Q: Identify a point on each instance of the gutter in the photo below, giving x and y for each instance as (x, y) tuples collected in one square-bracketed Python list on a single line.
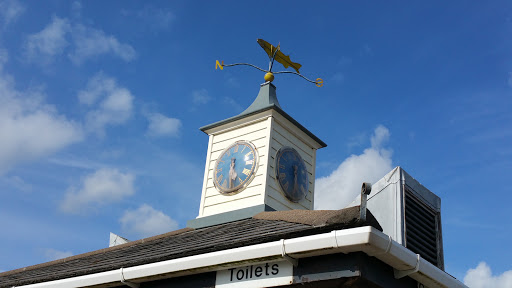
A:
[(362, 239)]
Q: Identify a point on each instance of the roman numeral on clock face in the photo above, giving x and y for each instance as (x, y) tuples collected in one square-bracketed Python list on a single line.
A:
[(246, 171)]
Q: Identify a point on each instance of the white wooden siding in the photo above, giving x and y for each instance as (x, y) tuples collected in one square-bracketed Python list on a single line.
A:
[(213, 202), (268, 131), (281, 137)]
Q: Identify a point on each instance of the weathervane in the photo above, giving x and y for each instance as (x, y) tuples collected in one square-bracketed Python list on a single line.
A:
[(274, 54)]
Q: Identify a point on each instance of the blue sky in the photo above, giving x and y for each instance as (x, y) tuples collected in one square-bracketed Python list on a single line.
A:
[(100, 105)]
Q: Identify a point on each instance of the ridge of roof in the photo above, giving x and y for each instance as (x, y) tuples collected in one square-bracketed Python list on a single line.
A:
[(319, 218)]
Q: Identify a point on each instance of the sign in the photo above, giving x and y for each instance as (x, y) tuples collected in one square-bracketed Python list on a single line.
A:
[(267, 274)]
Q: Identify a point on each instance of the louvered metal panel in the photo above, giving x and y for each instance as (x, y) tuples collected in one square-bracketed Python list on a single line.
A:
[(422, 235)]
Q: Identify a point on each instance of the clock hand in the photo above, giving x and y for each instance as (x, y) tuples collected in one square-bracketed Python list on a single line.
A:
[(295, 170), (232, 173)]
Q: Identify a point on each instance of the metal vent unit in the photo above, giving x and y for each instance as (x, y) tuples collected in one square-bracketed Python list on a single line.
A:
[(409, 213), (422, 224)]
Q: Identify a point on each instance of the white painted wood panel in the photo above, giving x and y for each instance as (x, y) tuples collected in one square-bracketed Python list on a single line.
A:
[(278, 141), (242, 130), (297, 142), (295, 131), (256, 133), (278, 195), (228, 206), (219, 198), (268, 131), (253, 137), (280, 205), (205, 178)]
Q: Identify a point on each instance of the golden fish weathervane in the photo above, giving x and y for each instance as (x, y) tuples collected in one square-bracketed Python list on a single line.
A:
[(274, 54)]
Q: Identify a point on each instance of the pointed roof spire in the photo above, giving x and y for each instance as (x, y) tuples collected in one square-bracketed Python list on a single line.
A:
[(266, 98)]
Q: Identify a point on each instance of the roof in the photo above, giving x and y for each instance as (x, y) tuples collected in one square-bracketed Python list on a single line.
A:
[(263, 227), (266, 100)]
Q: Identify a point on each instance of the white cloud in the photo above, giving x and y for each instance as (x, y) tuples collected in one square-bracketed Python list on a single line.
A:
[(379, 137), (52, 254), (481, 277), (113, 103), (99, 188), (156, 17), (160, 125), (200, 96), (4, 56), (16, 182), (10, 10), (89, 42), (86, 42), (76, 9), (43, 46), (233, 103), (146, 221), (29, 128), (233, 82), (343, 185)]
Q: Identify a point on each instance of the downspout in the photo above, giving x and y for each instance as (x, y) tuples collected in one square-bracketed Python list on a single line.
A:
[(128, 283)]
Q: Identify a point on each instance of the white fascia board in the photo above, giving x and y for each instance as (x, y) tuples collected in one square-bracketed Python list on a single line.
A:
[(213, 260), (362, 239)]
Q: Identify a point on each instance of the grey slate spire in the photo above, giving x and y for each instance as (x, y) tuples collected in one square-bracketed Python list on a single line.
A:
[(266, 98)]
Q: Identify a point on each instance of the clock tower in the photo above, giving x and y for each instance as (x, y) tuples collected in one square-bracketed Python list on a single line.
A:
[(260, 160)]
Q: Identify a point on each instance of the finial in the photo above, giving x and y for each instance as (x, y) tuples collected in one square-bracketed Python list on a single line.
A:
[(274, 54), (269, 77)]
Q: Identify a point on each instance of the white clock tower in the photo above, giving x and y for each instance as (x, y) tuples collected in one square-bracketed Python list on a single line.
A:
[(267, 128)]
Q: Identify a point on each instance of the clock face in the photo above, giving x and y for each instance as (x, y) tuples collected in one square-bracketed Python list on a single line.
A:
[(291, 174), (235, 168)]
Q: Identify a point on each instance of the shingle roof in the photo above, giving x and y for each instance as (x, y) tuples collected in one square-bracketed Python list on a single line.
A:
[(263, 227)]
